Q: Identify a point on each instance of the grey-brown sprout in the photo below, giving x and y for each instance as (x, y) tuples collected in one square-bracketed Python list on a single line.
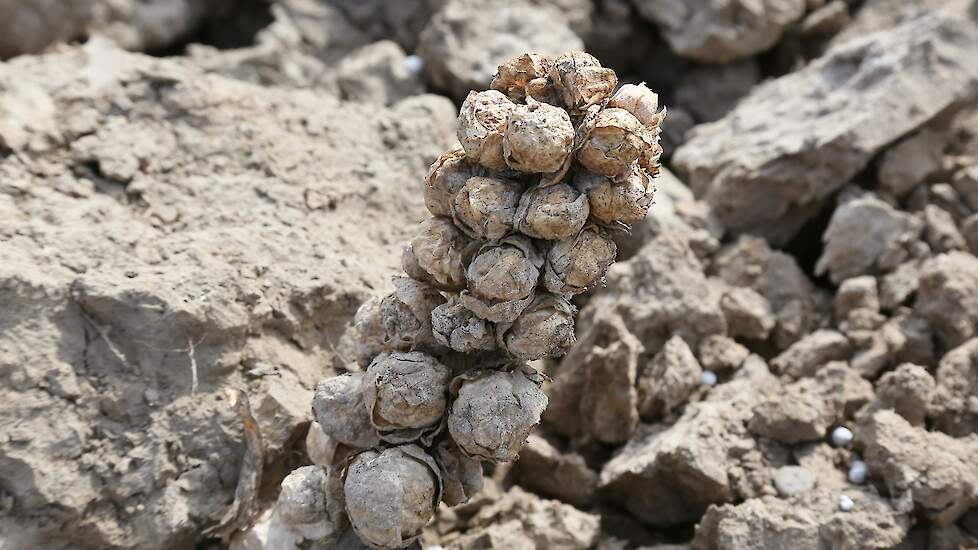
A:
[(391, 495), (458, 328), (492, 414), (514, 75), (405, 394), (640, 101), (574, 265), (302, 504), (482, 125), (405, 315), (438, 255), (484, 207), (339, 409), (461, 475), (555, 212), (501, 279), (369, 330), (625, 202), (615, 144), (581, 81), (544, 329), (539, 138), (445, 177)]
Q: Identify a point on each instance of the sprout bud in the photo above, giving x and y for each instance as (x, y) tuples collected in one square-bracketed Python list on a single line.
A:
[(579, 263), (484, 207), (493, 413), (539, 138), (458, 328), (461, 475), (338, 406), (391, 495), (513, 76), (445, 177), (481, 126), (544, 329), (641, 102), (302, 503), (615, 144), (626, 202), (553, 213), (502, 279), (405, 394), (405, 315), (581, 81), (438, 255)]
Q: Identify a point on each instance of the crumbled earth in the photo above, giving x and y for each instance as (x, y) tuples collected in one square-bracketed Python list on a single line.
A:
[(176, 229)]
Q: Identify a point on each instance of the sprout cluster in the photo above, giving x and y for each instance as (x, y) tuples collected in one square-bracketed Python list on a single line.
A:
[(551, 162)]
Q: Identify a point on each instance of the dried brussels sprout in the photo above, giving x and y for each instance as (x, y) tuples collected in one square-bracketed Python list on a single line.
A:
[(405, 315), (555, 212), (581, 81), (302, 504), (514, 75), (493, 412), (445, 177), (539, 138), (641, 102), (369, 330), (461, 475), (458, 328), (615, 144), (339, 408), (482, 125), (501, 279), (626, 202), (438, 255), (391, 495), (484, 207), (574, 265), (406, 394), (544, 329)]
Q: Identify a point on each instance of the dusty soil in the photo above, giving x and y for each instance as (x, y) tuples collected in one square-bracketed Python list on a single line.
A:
[(195, 197)]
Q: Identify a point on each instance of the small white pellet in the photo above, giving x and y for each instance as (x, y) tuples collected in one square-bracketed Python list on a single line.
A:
[(841, 436), (414, 64), (846, 503), (858, 472), (708, 378)]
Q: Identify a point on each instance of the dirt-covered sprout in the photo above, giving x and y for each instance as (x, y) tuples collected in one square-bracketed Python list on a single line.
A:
[(458, 328), (576, 264), (484, 207), (544, 329), (615, 144), (626, 202), (539, 137), (406, 394), (641, 102), (369, 330), (482, 125), (502, 279), (492, 414), (339, 409), (581, 81), (438, 254), (554, 212), (302, 504), (405, 315), (514, 75), (445, 177), (461, 474), (391, 495)]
